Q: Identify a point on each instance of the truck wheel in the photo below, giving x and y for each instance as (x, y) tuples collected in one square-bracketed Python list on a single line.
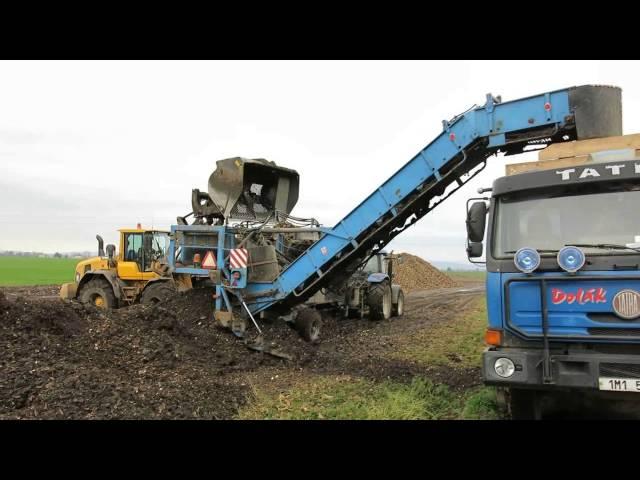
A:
[(379, 300), (398, 308), (157, 292), (524, 405), (308, 323), (99, 293)]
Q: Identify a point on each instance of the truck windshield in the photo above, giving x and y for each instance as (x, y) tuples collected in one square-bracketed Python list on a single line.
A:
[(549, 221)]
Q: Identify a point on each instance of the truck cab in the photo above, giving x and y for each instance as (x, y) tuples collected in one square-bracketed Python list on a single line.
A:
[(563, 280)]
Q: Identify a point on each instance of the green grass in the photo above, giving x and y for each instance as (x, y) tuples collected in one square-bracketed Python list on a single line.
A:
[(36, 271), (347, 398), (354, 398), (481, 404)]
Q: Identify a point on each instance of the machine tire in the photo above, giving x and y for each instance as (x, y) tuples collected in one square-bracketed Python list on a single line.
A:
[(380, 301), (308, 324), (524, 405), (157, 292), (398, 308), (99, 293)]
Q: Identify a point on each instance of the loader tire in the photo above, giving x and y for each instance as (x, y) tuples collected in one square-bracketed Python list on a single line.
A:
[(398, 308), (379, 300), (99, 293), (157, 292), (308, 324)]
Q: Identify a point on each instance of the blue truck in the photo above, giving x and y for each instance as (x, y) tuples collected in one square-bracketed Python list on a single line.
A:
[(563, 280)]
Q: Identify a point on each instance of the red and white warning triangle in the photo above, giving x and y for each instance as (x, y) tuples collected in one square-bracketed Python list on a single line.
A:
[(209, 260)]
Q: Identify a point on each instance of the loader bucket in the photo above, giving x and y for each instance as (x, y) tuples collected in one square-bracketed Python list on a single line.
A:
[(250, 189)]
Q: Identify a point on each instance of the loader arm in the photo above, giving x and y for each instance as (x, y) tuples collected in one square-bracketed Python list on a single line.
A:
[(457, 154)]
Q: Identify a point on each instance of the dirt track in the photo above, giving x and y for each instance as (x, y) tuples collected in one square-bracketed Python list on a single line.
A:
[(65, 360)]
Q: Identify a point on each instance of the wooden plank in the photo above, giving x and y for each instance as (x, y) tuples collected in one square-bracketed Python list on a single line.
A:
[(516, 168), (585, 147), (595, 157)]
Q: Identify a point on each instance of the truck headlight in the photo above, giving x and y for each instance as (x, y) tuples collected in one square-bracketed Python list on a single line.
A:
[(504, 367), (526, 259), (571, 259)]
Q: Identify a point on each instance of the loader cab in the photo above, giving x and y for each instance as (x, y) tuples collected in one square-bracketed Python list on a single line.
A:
[(139, 248)]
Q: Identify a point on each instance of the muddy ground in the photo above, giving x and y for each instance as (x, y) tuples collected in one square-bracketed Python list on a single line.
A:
[(66, 360)]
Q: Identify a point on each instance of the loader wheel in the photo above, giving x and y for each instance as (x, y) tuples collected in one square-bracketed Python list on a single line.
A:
[(398, 308), (380, 301), (157, 292), (99, 293), (308, 323)]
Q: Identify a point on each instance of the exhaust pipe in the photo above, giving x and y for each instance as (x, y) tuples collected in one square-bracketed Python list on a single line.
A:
[(100, 246)]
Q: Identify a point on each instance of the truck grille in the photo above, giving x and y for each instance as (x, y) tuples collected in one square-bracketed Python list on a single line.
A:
[(610, 318), (614, 332), (620, 370)]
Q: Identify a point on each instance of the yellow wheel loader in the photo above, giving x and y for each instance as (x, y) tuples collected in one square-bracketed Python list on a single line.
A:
[(138, 273)]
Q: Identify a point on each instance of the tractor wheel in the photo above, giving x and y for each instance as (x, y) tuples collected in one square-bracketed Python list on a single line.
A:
[(308, 323), (99, 293), (379, 299), (157, 292), (398, 308)]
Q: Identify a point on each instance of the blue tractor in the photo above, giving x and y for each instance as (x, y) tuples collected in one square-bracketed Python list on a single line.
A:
[(370, 289)]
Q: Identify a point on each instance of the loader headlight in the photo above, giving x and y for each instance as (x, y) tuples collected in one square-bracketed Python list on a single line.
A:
[(526, 260), (77, 278), (504, 367), (571, 259)]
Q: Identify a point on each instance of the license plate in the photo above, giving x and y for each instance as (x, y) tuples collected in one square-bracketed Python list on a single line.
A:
[(620, 384)]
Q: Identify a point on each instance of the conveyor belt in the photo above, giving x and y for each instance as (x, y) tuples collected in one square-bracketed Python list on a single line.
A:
[(450, 160)]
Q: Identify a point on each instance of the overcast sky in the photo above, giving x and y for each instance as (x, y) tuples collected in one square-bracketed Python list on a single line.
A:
[(90, 147)]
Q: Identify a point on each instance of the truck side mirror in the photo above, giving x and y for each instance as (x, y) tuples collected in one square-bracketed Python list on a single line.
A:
[(474, 249), (476, 222)]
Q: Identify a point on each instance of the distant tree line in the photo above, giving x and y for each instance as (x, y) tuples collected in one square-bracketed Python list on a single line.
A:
[(15, 253)]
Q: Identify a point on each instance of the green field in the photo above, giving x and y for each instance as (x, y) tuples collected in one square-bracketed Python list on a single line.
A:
[(36, 271)]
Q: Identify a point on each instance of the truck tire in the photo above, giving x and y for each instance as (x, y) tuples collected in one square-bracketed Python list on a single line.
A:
[(308, 324), (379, 300), (99, 293), (157, 292), (398, 308), (524, 405)]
